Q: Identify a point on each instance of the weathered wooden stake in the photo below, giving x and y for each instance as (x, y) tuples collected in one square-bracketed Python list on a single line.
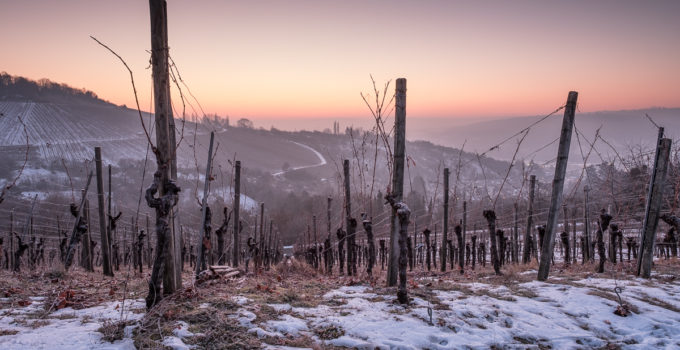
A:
[(589, 253), (397, 188), (649, 196), (654, 207), (204, 205), (237, 206), (103, 232), (526, 256), (558, 186), (165, 145), (442, 253), (515, 235)]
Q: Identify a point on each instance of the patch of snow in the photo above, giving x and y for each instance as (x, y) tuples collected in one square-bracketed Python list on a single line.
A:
[(176, 343), (182, 330), (67, 328), (562, 316), (288, 325), (244, 317), (241, 300), (261, 333)]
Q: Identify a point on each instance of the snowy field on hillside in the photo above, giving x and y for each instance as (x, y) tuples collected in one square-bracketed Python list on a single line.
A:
[(559, 314)]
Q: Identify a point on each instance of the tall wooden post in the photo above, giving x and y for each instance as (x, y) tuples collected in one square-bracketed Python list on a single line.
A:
[(589, 253), (515, 235), (165, 145), (442, 252), (558, 186), (649, 196), (528, 246), (204, 205), (103, 232), (11, 240), (397, 178), (112, 238), (653, 208), (237, 207), (573, 232), (348, 219)]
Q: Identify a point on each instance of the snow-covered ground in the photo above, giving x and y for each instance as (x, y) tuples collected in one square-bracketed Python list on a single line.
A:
[(560, 314), (31, 327), (573, 315)]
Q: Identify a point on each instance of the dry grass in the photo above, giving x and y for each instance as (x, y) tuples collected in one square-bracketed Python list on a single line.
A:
[(77, 289), (113, 330)]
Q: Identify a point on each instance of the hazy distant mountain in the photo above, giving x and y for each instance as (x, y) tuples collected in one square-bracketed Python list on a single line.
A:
[(621, 129)]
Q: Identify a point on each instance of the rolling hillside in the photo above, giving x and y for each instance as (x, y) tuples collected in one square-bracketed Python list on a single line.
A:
[(68, 124)]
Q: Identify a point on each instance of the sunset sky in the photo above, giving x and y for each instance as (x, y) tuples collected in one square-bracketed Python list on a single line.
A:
[(307, 59)]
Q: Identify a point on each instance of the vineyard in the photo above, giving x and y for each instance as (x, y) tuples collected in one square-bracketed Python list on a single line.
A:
[(121, 229)]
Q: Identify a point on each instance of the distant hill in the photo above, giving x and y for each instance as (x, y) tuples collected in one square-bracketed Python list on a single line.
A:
[(63, 122), (20, 89), (621, 129), (66, 123)]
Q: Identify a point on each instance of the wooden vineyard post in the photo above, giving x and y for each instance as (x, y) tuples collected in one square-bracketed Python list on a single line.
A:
[(589, 253), (573, 239), (329, 253), (558, 186), (397, 187), (648, 201), (11, 240), (103, 232), (351, 228), (442, 252), (515, 234), (237, 206), (528, 246), (204, 207), (654, 207), (164, 151), (463, 233)]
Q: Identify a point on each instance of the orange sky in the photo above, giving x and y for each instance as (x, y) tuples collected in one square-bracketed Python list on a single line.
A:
[(287, 59)]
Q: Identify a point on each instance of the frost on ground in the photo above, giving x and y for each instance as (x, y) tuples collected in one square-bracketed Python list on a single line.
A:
[(31, 327)]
